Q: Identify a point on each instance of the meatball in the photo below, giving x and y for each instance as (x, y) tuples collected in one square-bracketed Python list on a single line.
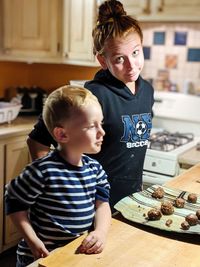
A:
[(192, 198), (168, 222), (167, 208), (179, 202), (185, 225), (154, 214), (192, 219), (158, 193), (198, 214)]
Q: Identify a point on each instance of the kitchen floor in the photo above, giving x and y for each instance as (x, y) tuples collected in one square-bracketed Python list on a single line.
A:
[(8, 258)]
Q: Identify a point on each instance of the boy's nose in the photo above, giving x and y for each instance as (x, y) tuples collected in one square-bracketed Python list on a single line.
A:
[(101, 130)]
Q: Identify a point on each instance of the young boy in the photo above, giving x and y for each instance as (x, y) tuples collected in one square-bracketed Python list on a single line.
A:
[(64, 194)]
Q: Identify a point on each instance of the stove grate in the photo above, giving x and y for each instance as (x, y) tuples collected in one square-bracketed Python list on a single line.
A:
[(167, 141)]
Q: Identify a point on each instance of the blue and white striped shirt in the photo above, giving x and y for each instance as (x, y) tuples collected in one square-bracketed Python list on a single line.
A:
[(60, 198)]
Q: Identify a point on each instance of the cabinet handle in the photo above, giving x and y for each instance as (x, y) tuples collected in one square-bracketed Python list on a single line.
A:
[(58, 47), (147, 8), (161, 6), (7, 50)]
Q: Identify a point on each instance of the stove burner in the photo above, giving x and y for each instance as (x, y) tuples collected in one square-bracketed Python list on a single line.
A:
[(166, 141)]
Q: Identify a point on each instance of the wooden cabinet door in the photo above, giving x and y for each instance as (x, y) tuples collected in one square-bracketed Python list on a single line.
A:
[(167, 10), (17, 157), (136, 7), (181, 7), (79, 19), (30, 27)]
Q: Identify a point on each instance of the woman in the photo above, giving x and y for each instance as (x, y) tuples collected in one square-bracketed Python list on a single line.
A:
[(126, 99)]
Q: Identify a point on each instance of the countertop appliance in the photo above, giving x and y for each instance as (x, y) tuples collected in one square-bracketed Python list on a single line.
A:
[(176, 128), (32, 100)]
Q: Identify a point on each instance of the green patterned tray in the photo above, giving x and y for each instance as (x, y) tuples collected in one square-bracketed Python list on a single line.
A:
[(136, 206)]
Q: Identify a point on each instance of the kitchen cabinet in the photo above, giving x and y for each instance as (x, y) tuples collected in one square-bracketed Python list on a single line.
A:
[(30, 28), (79, 18), (51, 31), (14, 155), (136, 8), (168, 10), (182, 9), (16, 158)]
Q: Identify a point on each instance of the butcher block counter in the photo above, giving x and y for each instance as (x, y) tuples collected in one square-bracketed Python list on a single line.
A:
[(133, 245), (191, 157)]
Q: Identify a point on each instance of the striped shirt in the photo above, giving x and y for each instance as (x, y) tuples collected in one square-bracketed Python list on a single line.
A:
[(60, 198)]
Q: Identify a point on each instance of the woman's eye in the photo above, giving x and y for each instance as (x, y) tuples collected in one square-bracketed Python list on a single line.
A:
[(120, 60), (135, 53)]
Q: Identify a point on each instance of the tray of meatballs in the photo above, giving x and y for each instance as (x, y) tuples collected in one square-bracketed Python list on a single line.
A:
[(163, 208)]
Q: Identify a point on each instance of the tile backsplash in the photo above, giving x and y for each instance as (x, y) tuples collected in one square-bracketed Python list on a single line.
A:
[(174, 48)]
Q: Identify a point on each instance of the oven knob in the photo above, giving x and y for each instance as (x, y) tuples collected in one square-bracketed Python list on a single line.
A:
[(154, 164)]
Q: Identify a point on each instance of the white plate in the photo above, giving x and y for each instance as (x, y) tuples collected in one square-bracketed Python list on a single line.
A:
[(136, 207)]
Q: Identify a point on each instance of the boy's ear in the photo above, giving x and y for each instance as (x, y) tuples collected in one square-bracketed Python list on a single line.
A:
[(60, 134), (102, 61)]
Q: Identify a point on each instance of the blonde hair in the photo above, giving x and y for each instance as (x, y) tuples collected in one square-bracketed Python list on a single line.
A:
[(112, 22), (61, 103)]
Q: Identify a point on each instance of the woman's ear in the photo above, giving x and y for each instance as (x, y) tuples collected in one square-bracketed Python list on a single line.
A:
[(60, 135), (102, 61)]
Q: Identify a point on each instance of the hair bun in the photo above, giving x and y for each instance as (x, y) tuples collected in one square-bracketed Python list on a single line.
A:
[(110, 10)]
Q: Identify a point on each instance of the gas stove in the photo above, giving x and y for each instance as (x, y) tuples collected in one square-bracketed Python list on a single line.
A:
[(166, 143)]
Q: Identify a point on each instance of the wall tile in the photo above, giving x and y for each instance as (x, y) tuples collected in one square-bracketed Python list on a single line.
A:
[(147, 52), (193, 55), (175, 47), (180, 38), (171, 61), (159, 38)]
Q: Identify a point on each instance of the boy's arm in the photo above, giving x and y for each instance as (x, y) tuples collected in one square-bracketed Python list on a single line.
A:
[(21, 221), (102, 217), (95, 241)]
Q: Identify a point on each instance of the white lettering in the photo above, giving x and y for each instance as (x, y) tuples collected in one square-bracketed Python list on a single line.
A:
[(137, 144)]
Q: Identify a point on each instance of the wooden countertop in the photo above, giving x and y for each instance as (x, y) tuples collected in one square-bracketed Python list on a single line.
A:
[(133, 245), (21, 125), (190, 157)]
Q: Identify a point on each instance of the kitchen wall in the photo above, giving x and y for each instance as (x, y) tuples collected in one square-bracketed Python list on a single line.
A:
[(47, 76), (172, 61), (172, 55)]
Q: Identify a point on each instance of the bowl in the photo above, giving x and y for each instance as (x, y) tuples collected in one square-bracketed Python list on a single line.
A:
[(8, 111)]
